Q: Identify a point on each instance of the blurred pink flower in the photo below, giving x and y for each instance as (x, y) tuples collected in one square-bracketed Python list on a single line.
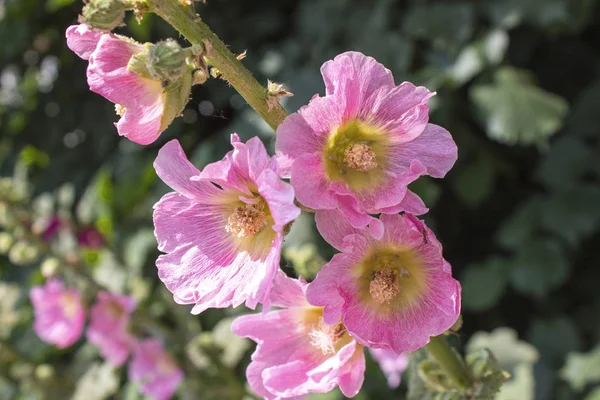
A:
[(145, 107), (154, 370), (392, 365), (59, 316), (393, 293), (357, 148), (90, 237), (222, 228), (297, 352), (108, 326)]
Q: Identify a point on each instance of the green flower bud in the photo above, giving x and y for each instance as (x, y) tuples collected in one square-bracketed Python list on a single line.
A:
[(104, 15), (166, 61)]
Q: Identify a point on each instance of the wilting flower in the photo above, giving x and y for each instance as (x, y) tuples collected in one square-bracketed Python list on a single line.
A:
[(297, 352), (117, 70), (108, 326), (223, 227), (392, 365), (357, 148), (59, 316), (154, 370), (393, 293)]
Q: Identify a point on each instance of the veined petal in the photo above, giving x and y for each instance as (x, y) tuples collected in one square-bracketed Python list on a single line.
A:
[(82, 40)]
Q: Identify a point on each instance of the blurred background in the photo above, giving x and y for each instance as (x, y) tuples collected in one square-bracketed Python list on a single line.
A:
[(518, 86)]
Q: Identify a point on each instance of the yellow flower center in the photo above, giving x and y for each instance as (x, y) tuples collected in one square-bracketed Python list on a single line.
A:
[(247, 220), (356, 154), (326, 339), (69, 304), (391, 279)]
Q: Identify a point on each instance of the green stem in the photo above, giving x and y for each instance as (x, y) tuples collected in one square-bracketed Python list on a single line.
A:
[(450, 361), (190, 25)]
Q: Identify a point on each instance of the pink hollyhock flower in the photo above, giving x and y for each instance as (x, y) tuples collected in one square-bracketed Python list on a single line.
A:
[(223, 227), (154, 370), (297, 352), (145, 106), (392, 365), (59, 315), (392, 293), (357, 148), (108, 326)]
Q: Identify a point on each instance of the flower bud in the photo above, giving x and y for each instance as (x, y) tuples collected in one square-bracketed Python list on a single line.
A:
[(104, 15), (166, 61)]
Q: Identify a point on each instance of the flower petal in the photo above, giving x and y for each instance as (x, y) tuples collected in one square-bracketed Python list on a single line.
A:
[(82, 40)]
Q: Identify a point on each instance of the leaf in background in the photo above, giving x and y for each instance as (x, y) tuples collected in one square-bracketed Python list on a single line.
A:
[(475, 182), (553, 15), (582, 369), (515, 356), (585, 112), (594, 395), (566, 162), (515, 111), (573, 214), (446, 25), (55, 5), (472, 59), (519, 227), (539, 267), (554, 338), (484, 284), (233, 345)]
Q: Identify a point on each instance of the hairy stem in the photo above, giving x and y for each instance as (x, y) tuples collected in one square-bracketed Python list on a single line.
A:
[(450, 361), (190, 25)]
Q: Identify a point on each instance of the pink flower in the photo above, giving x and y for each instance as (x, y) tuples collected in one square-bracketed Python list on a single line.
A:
[(393, 293), (392, 365), (223, 227), (357, 148), (90, 237), (297, 352), (59, 316), (145, 107), (154, 370), (108, 326)]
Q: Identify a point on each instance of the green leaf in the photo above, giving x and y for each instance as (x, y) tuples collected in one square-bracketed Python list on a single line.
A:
[(554, 338), (55, 5), (513, 355), (539, 267), (573, 214), (445, 25), (484, 284), (520, 226), (566, 162), (515, 111), (475, 183), (582, 369)]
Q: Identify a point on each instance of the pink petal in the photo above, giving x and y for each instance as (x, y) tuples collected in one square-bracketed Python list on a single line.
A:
[(311, 184), (369, 74), (334, 227), (82, 40), (434, 149), (411, 203), (280, 197), (173, 167), (352, 381), (295, 137)]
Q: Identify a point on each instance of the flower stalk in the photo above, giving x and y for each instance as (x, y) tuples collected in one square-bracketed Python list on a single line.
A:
[(190, 25), (449, 360)]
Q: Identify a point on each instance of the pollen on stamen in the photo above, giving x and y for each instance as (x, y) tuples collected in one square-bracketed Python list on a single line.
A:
[(384, 286), (247, 220), (360, 157), (120, 110), (324, 337)]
